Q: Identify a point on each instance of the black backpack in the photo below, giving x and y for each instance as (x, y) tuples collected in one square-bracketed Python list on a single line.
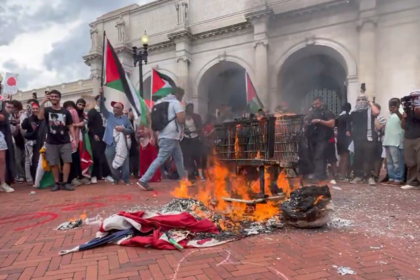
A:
[(160, 117)]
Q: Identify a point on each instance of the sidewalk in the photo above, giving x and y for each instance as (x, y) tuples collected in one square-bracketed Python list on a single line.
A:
[(382, 241)]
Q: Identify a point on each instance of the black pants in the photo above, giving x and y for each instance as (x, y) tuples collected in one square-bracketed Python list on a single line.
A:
[(365, 155), (75, 171), (318, 153), (191, 149), (134, 157), (100, 166)]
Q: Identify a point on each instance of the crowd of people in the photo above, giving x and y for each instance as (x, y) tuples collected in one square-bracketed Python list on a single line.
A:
[(80, 146), (50, 135), (364, 140)]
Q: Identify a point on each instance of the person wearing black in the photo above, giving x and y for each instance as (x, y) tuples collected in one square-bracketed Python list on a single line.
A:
[(343, 124), (365, 138), (96, 130), (411, 142), (134, 149), (30, 126), (320, 129), (7, 156), (19, 142), (60, 138)]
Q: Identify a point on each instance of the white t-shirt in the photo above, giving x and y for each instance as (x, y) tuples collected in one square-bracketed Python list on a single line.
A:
[(173, 130), (191, 127)]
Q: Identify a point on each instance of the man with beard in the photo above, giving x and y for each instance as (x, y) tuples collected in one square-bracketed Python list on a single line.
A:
[(30, 126), (59, 144), (321, 123), (365, 139), (96, 127)]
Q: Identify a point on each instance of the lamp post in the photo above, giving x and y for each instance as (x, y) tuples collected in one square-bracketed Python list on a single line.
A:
[(140, 55), (1, 81)]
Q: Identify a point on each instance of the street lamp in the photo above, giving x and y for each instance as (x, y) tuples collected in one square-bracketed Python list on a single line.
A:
[(140, 55), (1, 81)]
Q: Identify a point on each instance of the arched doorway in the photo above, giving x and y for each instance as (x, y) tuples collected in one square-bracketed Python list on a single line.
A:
[(313, 71), (224, 84)]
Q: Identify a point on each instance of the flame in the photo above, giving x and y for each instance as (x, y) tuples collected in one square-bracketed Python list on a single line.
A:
[(222, 183), (82, 217), (318, 199)]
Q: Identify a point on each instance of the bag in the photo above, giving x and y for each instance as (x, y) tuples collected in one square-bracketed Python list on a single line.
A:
[(159, 116)]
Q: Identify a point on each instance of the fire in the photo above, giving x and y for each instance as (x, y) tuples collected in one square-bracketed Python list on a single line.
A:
[(318, 199), (81, 217), (222, 183)]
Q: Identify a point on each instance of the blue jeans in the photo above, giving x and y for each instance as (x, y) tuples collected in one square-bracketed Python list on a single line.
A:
[(121, 173), (167, 148), (395, 164)]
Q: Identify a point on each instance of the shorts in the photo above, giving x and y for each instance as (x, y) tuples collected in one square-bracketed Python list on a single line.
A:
[(53, 154), (330, 153), (3, 143)]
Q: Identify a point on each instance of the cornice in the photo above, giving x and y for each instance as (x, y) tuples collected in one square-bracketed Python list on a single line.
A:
[(182, 35), (315, 9), (259, 14), (161, 47), (92, 57), (372, 20), (224, 31)]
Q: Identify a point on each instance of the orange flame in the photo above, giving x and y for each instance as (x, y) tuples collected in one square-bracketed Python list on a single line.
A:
[(224, 184)]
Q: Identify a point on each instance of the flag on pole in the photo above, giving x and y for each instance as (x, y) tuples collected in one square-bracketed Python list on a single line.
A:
[(10, 85), (116, 78), (254, 103), (161, 84)]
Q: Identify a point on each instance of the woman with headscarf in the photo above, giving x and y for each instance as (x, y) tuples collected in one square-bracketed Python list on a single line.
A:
[(365, 138), (343, 124)]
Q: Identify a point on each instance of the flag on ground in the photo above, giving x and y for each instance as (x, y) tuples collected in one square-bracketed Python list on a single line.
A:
[(116, 78), (161, 85), (254, 103)]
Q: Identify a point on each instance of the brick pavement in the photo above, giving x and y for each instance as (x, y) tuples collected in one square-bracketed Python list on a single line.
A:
[(382, 242)]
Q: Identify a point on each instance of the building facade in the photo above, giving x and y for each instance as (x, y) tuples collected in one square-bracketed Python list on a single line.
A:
[(292, 50)]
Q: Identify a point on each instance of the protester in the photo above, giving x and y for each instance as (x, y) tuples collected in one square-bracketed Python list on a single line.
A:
[(343, 124), (30, 127), (380, 154), (75, 171), (14, 109), (29, 144), (208, 137), (147, 152), (134, 150), (60, 138), (116, 123), (365, 139), (411, 142), (96, 130), (6, 149), (191, 145), (321, 122), (170, 134)]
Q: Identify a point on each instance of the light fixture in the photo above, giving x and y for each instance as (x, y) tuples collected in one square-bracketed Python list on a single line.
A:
[(144, 39)]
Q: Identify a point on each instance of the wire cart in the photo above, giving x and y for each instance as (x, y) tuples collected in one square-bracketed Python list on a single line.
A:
[(271, 143)]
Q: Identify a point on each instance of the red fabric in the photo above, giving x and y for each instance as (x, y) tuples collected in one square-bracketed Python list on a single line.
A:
[(146, 156), (158, 225), (331, 140)]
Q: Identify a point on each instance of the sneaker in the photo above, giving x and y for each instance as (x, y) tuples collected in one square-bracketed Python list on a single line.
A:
[(19, 180), (356, 180), (144, 186), (371, 182), (109, 179), (94, 180), (408, 187), (6, 188), (333, 182), (85, 181), (76, 182), (67, 187), (128, 183), (55, 188)]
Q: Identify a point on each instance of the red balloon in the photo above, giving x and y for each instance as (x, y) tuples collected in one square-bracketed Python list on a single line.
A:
[(11, 82)]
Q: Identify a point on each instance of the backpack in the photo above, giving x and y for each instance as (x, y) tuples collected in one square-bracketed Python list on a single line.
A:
[(159, 116)]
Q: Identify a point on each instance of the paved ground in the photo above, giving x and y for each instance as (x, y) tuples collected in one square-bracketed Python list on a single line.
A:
[(378, 239)]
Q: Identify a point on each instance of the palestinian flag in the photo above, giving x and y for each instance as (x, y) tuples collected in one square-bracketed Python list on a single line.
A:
[(44, 178), (85, 152), (161, 85), (117, 82), (254, 103)]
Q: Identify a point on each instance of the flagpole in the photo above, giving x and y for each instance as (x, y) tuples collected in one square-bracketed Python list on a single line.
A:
[(103, 65)]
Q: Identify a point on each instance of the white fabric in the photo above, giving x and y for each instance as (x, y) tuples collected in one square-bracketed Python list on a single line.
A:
[(117, 222), (351, 147), (190, 125), (39, 173), (173, 130), (122, 148)]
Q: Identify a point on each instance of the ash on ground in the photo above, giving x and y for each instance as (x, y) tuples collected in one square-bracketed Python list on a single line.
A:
[(228, 228)]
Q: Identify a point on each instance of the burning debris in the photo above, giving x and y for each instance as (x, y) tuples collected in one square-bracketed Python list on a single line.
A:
[(70, 225), (308, 207)]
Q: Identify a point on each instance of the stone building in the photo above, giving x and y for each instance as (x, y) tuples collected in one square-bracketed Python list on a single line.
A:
[(291, 49)]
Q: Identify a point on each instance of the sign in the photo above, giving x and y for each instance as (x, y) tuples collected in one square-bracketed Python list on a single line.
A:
[(10, 84)]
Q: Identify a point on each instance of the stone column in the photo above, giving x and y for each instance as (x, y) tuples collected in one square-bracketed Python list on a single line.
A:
[(182, 39), (260, 20), (353, 90), (94, 60), (367, 45)]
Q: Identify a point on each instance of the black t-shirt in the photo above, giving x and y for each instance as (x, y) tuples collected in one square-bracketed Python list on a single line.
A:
[(317, 132), (359, 126), (31, 125), (58, 122), (411, 126)]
